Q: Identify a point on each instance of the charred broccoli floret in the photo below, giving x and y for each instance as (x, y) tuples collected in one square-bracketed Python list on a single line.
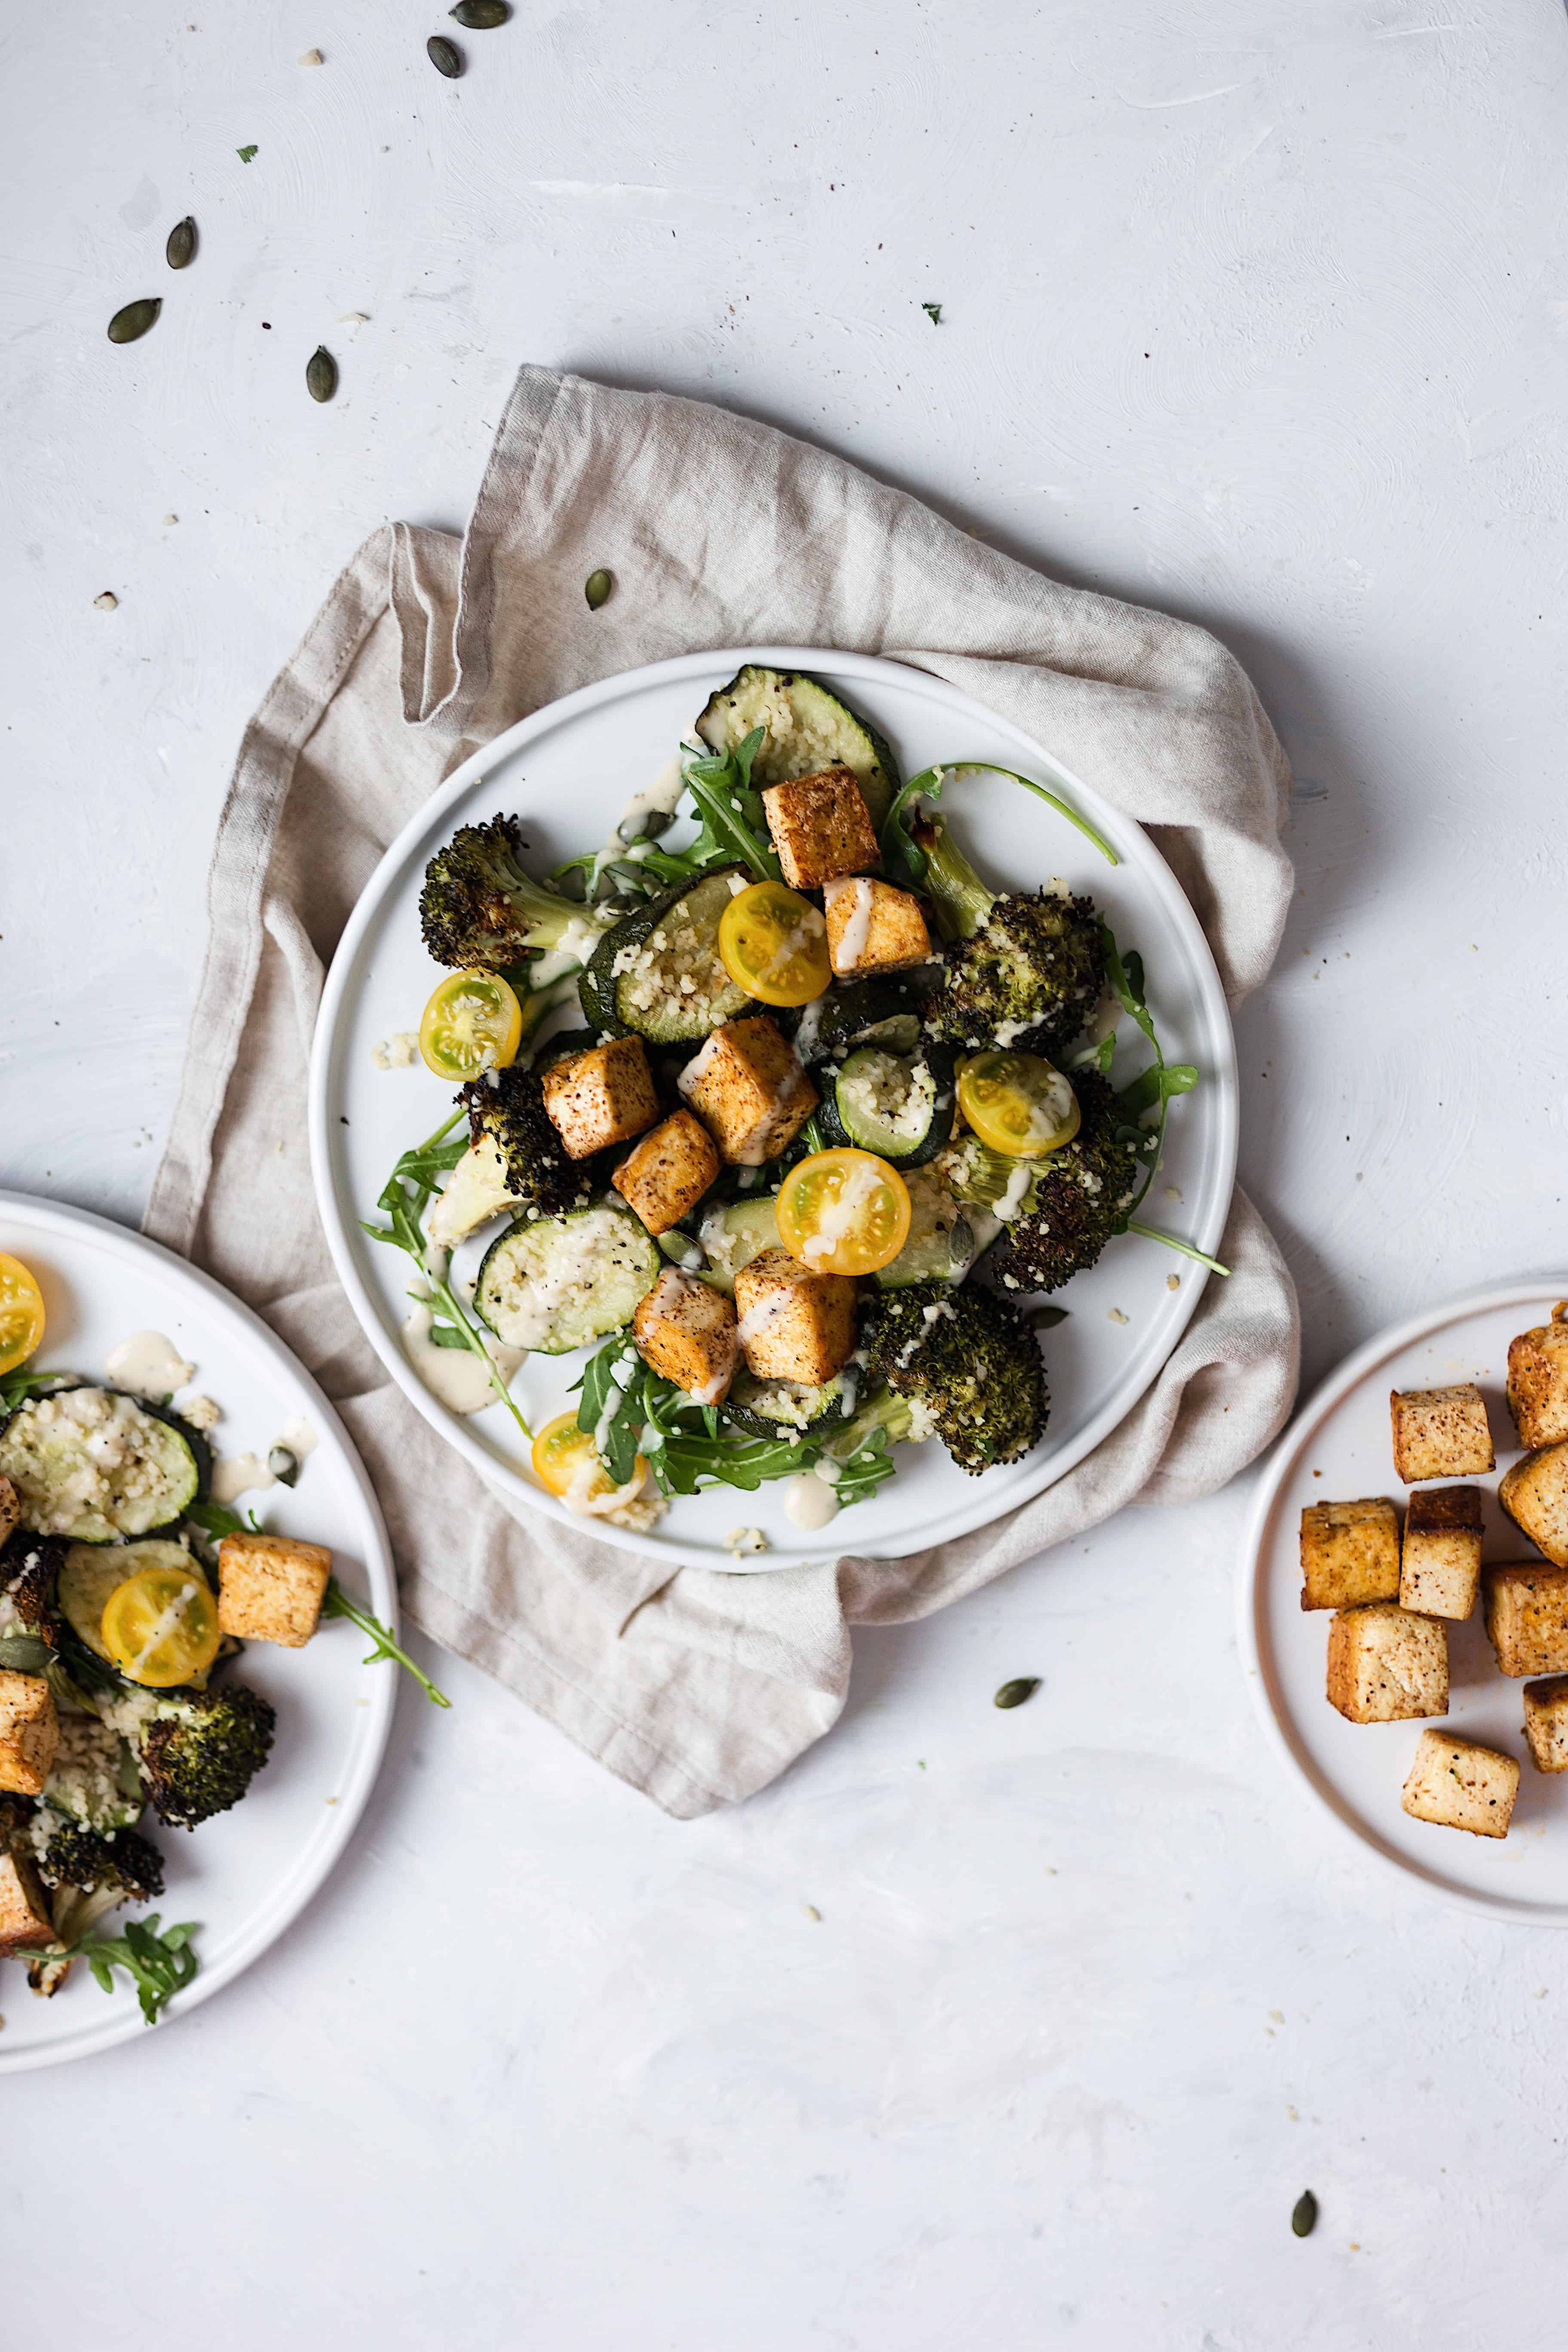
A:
[(87, 1873), (1074, 1200), (198, 1751), (1018, 971), (479, 906), (971, 1361), (28, 1567), (516, 1160)]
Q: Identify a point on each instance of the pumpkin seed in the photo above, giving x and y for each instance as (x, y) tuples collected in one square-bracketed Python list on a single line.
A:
[(1046, 1319), (181, 249), (445, 56), (1015, 1693), (598, 588), (107, 603), (129, 325), (284, 1464), (1304, 2214), (320, 373), (479, 15)]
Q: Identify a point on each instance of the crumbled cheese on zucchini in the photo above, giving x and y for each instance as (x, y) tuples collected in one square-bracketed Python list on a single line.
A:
[(81, 1452)]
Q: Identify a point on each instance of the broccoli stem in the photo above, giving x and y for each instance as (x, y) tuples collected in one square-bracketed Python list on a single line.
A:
[(890, 1415), (963, 902)]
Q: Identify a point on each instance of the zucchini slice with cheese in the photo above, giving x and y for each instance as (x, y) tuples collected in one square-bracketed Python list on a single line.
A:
[(562, 1281), (657, 973), (898, 1106), (96, 1465), (945, 1237), (787, 1409), (805, 729)]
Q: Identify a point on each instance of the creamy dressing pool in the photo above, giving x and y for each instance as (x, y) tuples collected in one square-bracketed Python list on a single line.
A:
[(149, 1365)]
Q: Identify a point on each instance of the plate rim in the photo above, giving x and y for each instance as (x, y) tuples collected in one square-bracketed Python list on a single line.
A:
[(300, 1886), (1292, 1444), (508, 1483)]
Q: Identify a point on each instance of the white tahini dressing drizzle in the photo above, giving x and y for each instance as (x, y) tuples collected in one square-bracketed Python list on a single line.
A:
[(298, 1437), (148, 1365), (238, 1474), (850, 946), (455, 1375), (836, 1219), (809, 1501)]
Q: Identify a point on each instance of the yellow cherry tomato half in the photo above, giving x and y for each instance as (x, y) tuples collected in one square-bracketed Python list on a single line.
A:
[(566, 1460), (472, 1024), (21, 1313), (160, 1627), (774, 944), (1017, 1104), (843, 1213)]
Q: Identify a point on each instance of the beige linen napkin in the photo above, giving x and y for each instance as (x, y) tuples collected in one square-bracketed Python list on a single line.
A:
[(695, 1686)]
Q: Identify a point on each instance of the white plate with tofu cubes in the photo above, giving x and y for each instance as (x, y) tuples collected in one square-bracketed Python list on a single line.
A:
[(245, 1874), (568, 773), (1340, 1449)]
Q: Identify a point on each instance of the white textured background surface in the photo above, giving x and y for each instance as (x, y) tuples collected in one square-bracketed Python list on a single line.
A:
[(1258, 312)]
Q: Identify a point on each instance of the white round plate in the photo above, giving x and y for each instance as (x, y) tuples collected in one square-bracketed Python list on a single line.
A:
[(245, 1874), (1340, 1448), (567, 772)]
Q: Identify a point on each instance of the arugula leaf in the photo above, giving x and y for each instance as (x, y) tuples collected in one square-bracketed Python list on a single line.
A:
[(16, 1387), (159, 1965), (903, 859), (734, 825), (611, 1407), (336, 1603), (218, 1520), (1155, 1086), (867, 1469)]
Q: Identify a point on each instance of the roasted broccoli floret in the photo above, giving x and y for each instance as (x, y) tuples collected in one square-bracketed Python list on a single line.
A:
[(1018, 971), (88, 1873), (479, 906), (1074, 1200), (198, 1751), (970, 1359), (28, 1567), (516, 1160)]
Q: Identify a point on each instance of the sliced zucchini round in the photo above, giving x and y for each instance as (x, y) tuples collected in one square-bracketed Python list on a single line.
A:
[(732, 1235), (789, 1409), (91, 1572), (806, 728), (658, 973), (898, 1106), (560, 1281), (884, 1011), (96, 1465), (943, 1240)]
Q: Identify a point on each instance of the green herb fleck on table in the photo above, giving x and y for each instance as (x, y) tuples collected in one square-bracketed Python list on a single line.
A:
[(247, 155), (933, 312)]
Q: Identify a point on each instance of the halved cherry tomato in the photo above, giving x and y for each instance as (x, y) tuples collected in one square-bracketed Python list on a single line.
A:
[(472, 1024), (843, 1213), (1017, 1104), (562, 1457), (774, 944), (160, 1627), (21, 1313)]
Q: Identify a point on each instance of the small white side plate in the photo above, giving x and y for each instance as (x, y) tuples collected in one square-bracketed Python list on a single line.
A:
[(1341, 1448), (245, 1874)]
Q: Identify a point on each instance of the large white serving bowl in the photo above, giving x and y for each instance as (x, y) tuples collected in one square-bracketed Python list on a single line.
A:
[(567, 773)]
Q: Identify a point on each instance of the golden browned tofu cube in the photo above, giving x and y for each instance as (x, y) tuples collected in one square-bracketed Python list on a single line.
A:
[(1461, 1786), (1525, 1608), (1546, 1723), (270, 1588), (686, 1330), (10, 1510), (30, 1733), (24, 1922), (668, 1171), (1440, 1432), (1534, 1494), (1538, 1381), (1385, 1666), (821, 827), (1440, 1566), (603, 1096), (747, 1086), (1350, 1553), (871, 926), (795, 1325)]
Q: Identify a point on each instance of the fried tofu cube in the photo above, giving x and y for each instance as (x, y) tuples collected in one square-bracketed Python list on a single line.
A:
[(1440, 1432), (748, 1087), (1546, 1723), (1524, 1605), (1538, 1381), (10, 1510), (1461, 1786), (1350, 1553), (1534, 1494), (795, 1325), (872, 927), (1385, 1666), (686, 1330), (24, 1922), (820, 826), (603, 1096), (668, 1171), (270, 1588), (1440, 1565), (30, 1733)]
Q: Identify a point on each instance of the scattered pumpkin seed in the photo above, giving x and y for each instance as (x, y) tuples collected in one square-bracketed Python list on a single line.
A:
[(1304, 2214), (284, 1464), (181, 249), (247, 155), (598, 588), (1016, 1692), (1046, 1319), (320, 373), (479, 15), (445, 56), (108, 602), (129, 325), (313, 57)]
